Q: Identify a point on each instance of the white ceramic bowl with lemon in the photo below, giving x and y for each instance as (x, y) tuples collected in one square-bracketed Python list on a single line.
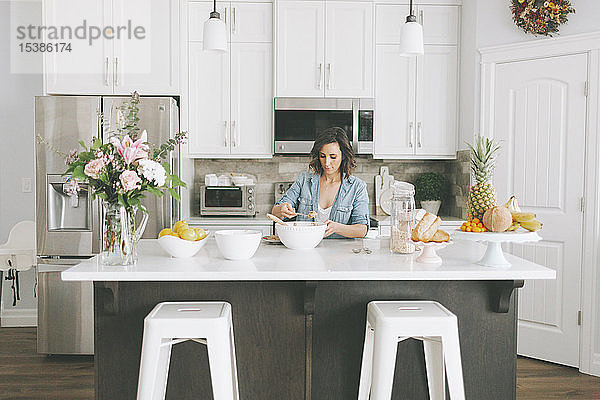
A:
[(182, 241)]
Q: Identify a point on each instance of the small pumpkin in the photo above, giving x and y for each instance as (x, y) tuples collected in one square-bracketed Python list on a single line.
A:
[(497, 219)]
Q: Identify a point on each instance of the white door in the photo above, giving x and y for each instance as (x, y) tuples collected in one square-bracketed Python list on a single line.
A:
[(348, 49), (437, 82), (251, 99), (539, 114), (251, 22), (208, 107), (300, 52), (147, 61), (394, 103), (87, 68)]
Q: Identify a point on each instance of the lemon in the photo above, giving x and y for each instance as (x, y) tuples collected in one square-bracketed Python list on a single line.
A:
[(187, 234), (200, 233), (179, 226), (167, 231)]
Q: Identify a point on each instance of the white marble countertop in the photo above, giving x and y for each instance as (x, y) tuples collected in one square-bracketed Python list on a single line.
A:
[(333, 259)]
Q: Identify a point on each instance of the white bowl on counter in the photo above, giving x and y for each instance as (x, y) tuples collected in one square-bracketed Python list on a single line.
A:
[(300, 235), (179, 248), (238, 244)]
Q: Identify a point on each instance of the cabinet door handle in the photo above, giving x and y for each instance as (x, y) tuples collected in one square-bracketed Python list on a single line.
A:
[(106, 67), (225, 16), (225, 132), (329, 72), (420, 132), (234, 21), (234, 135), (116, 71), (422, 16), (410, 134), (319, 75)]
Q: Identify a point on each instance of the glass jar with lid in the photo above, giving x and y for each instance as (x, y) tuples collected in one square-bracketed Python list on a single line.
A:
[(402, 219)]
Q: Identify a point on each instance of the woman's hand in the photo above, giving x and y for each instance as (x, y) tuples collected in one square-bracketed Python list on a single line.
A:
[(332, 227), (287, 210)]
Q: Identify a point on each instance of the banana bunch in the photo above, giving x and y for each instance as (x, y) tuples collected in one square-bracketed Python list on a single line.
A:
[(524, 219)]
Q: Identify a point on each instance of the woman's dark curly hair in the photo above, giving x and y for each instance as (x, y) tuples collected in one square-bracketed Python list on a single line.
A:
[(339, 136)]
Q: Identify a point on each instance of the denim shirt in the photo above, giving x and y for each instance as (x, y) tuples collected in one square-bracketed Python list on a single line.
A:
[(351, 205)]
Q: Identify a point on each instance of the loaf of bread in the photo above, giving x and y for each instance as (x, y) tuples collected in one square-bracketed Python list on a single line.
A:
[(440, 236), (424, 224), (427, 230)]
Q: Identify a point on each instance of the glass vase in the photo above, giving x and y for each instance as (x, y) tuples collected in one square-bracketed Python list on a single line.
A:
[(120, 235)]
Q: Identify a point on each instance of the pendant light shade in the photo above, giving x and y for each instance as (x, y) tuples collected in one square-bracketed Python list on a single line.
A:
[(215, 32), (411, 36)]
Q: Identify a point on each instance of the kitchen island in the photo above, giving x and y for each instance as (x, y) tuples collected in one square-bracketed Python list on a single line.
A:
[(299, 317)]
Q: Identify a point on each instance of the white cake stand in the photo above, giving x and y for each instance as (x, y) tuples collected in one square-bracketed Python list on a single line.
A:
[(428, 254), (494, 256)]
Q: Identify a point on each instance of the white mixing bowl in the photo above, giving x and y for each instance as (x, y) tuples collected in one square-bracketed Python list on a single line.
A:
[(300, 235), (179, 248), (238, 244)]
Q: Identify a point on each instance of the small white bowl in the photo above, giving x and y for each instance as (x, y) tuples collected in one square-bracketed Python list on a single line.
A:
[(238, 244), (300, 235), (179, 248)]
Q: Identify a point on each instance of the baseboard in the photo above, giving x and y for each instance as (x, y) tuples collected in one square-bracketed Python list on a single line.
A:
[(19, 318)]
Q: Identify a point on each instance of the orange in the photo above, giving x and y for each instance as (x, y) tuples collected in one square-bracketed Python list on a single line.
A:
[(476, 220), (463, 228), (468, 229)]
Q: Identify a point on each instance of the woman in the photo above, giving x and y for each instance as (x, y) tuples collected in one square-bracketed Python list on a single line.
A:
[(337, 198)]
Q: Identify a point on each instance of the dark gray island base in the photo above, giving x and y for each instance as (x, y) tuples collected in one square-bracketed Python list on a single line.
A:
[(301, 340)]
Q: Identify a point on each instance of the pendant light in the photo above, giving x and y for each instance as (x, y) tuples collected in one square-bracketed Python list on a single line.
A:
[(215, 32), (411, 35)]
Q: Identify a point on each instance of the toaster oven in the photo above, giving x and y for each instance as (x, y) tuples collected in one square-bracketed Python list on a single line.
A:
[(227, 201)]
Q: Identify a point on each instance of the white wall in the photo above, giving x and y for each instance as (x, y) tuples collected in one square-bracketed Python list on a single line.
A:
[(488, 23), (16, 155)]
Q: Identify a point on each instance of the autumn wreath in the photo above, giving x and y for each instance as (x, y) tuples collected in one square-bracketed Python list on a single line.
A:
[(540, 17)]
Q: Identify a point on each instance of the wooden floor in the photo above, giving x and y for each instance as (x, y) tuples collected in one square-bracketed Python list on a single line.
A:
[(24, 374)]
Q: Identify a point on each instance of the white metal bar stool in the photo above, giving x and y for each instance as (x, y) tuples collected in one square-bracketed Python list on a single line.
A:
[(390, 322), (209, 323)]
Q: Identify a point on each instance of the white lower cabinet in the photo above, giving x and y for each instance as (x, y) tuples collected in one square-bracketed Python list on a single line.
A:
[(230, 101), (415, 106)]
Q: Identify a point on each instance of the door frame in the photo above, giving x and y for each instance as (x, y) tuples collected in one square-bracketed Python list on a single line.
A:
[(589, 357)]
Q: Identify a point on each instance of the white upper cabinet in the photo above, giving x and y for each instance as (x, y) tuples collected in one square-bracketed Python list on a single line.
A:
[(251, 98), (251, 22), (230, 95), (86, 69), (209, 126), (150, 66), (436, 118), (300, 53), (440, 23), (394, 102), (348, 49), (324, 49), (416, 97), (137, 50)]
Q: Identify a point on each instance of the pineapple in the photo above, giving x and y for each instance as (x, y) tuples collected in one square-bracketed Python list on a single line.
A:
[(482, 195)]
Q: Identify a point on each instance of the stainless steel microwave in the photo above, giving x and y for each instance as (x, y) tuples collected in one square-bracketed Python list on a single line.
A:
[(227, 200), (298, 120)]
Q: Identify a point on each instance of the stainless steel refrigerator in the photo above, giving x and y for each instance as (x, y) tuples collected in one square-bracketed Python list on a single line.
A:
[(69, 229)]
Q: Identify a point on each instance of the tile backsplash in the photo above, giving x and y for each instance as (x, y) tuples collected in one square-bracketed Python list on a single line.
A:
[(287, 168)]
